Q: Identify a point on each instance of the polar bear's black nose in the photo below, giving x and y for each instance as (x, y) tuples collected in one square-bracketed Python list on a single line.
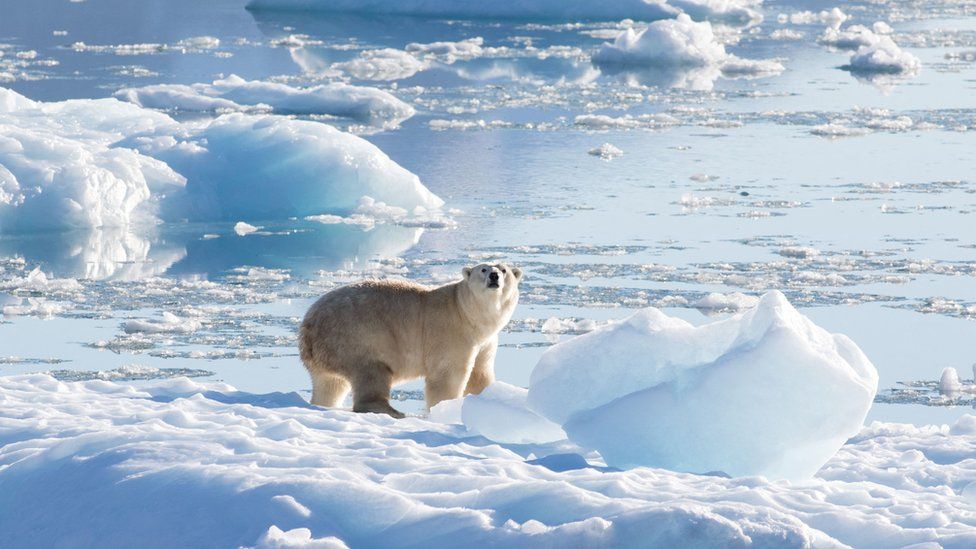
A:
[(493, 276)]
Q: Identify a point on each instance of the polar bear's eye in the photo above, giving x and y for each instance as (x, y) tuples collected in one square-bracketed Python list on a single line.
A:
[(504, 271), (483, 270)]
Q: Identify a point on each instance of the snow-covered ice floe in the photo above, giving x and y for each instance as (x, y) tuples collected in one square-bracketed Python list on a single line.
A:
[(679, 43), (105, 163), (178, 463), (364, 104), (765, 392), (875, 51), (883, 56)]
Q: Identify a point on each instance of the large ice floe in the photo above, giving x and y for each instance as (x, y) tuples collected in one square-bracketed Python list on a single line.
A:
[(679, 44), (765, 392), (178, 463), (364, 104), (106, 163)]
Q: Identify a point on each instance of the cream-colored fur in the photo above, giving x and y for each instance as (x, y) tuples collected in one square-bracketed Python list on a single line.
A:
[(370, 335)]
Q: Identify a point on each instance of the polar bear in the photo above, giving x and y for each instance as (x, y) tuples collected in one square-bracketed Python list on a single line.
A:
[(372, 334)]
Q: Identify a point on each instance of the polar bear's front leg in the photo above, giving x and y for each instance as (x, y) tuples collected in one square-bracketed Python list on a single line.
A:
[(483, 373), (447, 377)]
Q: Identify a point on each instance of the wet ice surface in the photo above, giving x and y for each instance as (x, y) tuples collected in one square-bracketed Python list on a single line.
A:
[(851, 193)]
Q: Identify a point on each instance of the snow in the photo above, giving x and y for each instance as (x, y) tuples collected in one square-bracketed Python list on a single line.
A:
[(367, 105), (106, 163), (499, 413), (179, 463), (677, 43), (765, 392)]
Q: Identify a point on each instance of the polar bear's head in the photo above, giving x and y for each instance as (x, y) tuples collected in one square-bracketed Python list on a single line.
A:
[(486, 278), (489, 295)]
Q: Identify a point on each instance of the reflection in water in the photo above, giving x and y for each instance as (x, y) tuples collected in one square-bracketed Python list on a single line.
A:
[(304, 250), (98, 254), (120, 254)]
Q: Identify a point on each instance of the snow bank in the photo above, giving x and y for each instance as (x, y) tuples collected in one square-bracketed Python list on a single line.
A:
[(765, 392), (368, 105), (677, 43), (105, 163), (183, 464)]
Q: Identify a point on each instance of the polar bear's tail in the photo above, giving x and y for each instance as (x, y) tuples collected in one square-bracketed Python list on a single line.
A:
[(305, 346)]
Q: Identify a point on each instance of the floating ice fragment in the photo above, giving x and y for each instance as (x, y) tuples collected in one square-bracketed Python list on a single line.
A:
[(949, 381), (170, 323), (606, 151), (716, 302), (883, 56), (244, 229), (368, 105), (677, 43)]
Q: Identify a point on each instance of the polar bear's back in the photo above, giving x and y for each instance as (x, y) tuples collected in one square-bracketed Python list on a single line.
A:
[(378, 320)]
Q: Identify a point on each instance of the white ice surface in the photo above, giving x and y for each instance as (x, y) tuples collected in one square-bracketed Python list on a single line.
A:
[(677, 43), (106, 163), (765, 392), (184, 464), (364, 104), (500, 414)]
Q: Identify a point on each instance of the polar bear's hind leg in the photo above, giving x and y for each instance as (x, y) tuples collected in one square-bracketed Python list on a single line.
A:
[(371, 390), (328, 389)]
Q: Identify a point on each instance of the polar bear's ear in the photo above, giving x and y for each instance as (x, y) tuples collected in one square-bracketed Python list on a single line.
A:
[(517, 272), (466, 272)]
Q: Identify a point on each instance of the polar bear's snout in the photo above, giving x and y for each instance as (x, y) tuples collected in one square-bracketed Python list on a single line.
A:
[(493, 278)]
